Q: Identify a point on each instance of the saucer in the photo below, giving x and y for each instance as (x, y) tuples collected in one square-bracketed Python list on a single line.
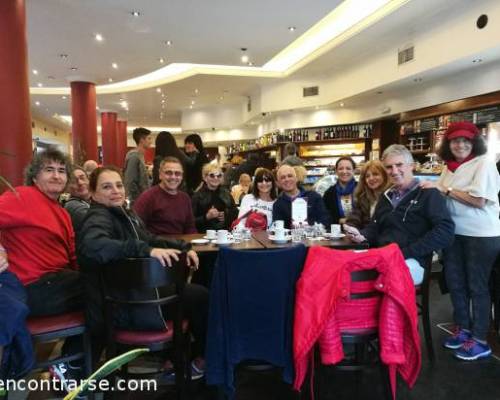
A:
[(334, 236), (228, 243), (209, 238), (286, 239), (200, 241)]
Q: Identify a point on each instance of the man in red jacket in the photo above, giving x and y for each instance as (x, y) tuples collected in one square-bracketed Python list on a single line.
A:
[(38, 237)]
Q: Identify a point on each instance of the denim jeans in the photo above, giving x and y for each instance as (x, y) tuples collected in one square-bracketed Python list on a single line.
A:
[(467, 265)]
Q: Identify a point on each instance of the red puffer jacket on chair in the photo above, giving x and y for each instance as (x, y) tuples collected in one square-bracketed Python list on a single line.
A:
[(322, 305)]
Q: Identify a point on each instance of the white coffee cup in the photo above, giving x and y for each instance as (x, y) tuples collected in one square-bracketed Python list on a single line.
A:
[(222, 236), (279, 224), (335, 229), (279, 234), (211, 234)]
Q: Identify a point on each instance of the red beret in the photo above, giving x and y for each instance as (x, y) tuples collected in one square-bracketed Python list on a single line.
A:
[(461, 129)]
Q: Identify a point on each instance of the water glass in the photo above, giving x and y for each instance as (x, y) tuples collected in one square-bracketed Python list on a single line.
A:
[(237, 235), (297, 235), (246, 234)]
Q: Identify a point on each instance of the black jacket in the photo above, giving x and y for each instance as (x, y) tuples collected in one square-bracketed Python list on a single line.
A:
[(204, 199), (330, 200), (192, 175), (420, 224), (109, 234)]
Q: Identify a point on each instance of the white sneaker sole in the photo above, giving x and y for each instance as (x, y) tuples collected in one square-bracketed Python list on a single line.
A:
[(476, 357)]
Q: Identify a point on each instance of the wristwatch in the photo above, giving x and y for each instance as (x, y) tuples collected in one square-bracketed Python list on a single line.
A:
[(448, 191)]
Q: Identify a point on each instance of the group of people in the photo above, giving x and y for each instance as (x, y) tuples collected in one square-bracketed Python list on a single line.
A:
[(50, 256)]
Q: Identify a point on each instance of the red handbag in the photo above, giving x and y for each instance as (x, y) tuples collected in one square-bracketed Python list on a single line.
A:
[(255, 221)]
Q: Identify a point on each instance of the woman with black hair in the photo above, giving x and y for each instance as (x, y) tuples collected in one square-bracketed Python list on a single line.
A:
[(196, 159), (339, 199), (166, 146)]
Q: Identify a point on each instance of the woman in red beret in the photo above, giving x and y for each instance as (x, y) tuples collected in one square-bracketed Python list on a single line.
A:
[(470, 182)]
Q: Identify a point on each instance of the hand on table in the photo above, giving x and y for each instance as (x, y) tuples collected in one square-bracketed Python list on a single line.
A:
[(353, 234)]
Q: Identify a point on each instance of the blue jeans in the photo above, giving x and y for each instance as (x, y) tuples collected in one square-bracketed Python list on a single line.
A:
[(467, 266)]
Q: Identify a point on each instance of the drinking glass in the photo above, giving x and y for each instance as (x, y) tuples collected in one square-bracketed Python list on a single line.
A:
[(246, 234), (296, 235)]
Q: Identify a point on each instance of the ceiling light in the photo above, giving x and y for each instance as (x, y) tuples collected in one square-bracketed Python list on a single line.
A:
[(124, 104), (63, 56), (161, 60), (35, 72), (192, 101), (221, 98), (98, 37), (191, 106), (73, 68), (162, 95), (163, 101), (37, 103), (250, 64), (64, 97), (342, 104), (167, 42), (291, 28), (135, 13), (114, 65), (121, 99), (39, 84), (477, 60), (110, 80), (97, 108), (196, 91)]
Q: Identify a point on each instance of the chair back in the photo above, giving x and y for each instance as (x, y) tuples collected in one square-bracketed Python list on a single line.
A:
[(144, 273)]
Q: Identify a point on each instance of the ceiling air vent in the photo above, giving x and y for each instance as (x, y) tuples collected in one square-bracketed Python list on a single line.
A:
[(310, 91), (406, 55)]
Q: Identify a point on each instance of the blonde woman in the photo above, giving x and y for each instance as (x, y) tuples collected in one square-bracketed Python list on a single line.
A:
[(213, 205), (373, 181)]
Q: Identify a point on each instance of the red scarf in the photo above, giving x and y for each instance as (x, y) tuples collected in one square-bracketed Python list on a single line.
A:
[(453, 164)]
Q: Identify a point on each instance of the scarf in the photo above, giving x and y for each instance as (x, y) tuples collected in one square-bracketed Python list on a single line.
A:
[(453, 164), (343, 191)]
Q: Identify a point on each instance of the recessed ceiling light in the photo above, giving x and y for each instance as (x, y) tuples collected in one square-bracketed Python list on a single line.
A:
[(163, 101), (110, 80), (342, 104), (73, 68), (167, 42), (192, 101), (162, 95), (135, 13), (477, 60), (191, 106), (97, 108), (121, 98), (39, 84), (221, 98), (161, 60), (250, 64), (196, 91), (64, 97), (291, 28), (63, 56), (114, 65), (35, 72), (244, 58), (37, 103), (158, 90), (98, 37)]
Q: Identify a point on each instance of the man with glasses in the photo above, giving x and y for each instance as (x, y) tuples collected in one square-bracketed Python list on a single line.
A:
[(414, 218), (165, 209), (38, 240), (79, 202)]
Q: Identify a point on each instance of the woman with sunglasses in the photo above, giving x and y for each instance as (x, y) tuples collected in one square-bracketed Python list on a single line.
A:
[(213, 205), (262, 197)]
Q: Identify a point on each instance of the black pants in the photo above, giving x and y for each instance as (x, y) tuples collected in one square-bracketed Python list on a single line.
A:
[(56, 293)]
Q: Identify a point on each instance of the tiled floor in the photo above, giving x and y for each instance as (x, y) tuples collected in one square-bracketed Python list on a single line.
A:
[(446, 379)]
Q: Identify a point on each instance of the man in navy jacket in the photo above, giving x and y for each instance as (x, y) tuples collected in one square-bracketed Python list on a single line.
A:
[(282, 208), (416, 219)]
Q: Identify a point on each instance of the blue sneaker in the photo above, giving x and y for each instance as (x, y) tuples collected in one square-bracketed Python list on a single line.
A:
[(457, 339), (473, 350)]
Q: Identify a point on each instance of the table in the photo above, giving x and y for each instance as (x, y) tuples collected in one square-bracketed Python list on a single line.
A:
[(339, 244), (251, 244)]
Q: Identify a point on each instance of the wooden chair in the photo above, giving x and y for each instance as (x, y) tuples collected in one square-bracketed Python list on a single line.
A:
[(364, 341), (148, 273), (59, 327)]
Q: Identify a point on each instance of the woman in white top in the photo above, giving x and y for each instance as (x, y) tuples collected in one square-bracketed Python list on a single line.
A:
[(470, 182), (262, 197)]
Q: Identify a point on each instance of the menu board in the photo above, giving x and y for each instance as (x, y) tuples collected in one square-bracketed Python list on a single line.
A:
[(487, 115), (428, 124)]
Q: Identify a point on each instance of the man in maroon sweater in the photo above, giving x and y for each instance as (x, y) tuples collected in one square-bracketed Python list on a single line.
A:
[(164, 209)]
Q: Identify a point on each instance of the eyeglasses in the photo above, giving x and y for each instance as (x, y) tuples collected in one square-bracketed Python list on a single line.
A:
[(212, 175), (264, 179), (173, 173)]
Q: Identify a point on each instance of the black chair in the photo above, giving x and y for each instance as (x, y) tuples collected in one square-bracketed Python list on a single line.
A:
[(52, 328), (361, 345), (422, 292), (148, 273)]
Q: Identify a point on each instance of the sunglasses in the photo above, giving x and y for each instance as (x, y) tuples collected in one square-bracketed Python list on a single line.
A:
[(173, 173), (264, 179), (212, 175)]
